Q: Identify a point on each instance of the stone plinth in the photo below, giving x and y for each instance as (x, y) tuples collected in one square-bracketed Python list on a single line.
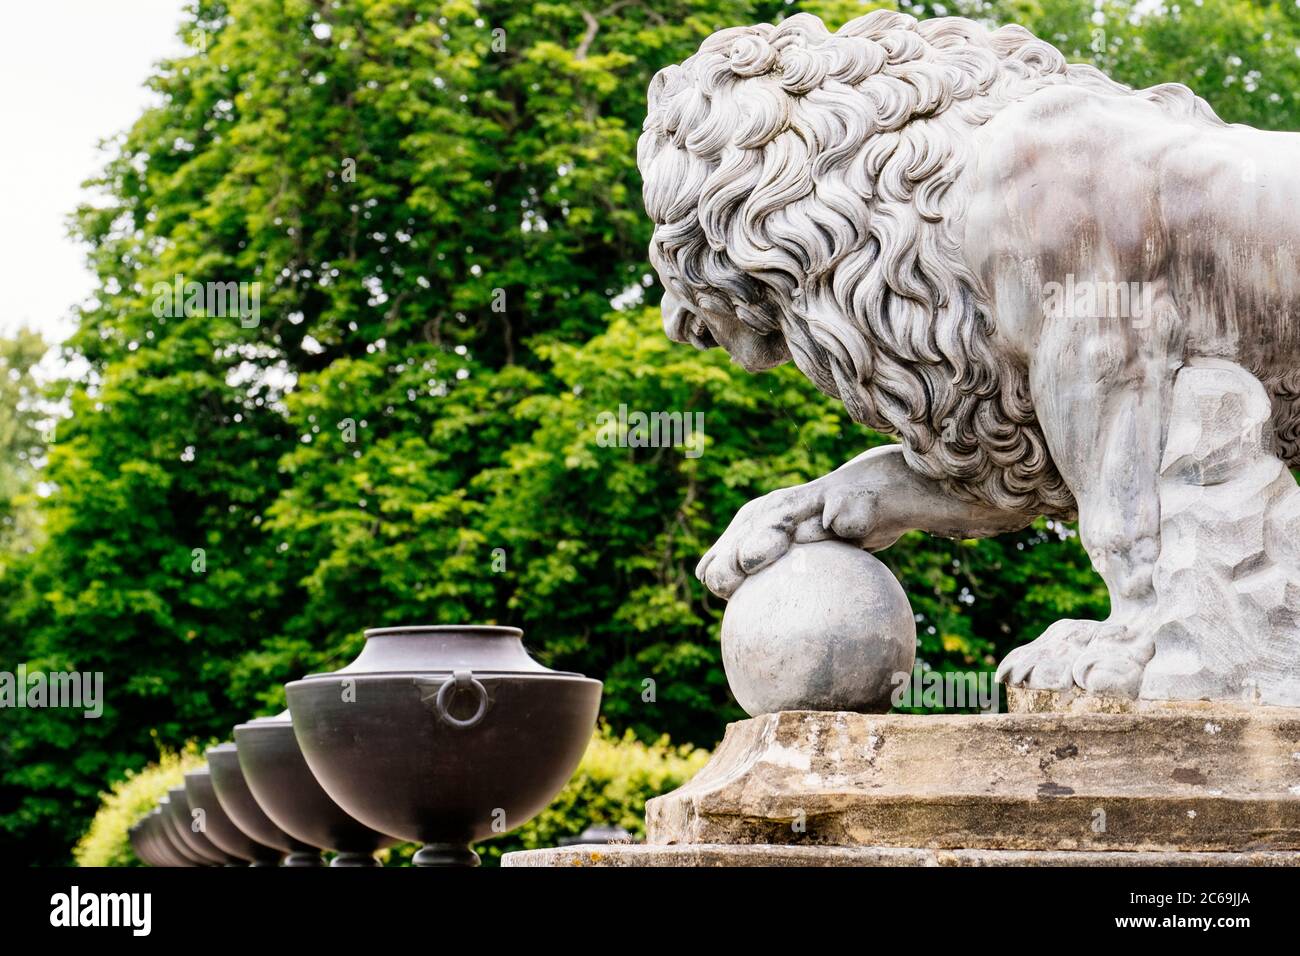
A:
[(1178, 778), (1149, 784), (760, 854)]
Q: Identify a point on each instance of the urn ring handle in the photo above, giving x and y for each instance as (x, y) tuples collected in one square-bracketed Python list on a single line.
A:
[(460, 680)]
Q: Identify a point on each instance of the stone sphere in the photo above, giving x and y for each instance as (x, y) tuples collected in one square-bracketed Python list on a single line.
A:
[(824, 627)]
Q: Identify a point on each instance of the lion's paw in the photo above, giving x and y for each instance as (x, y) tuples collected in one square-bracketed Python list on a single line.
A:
[(1047, 662), (760, 533), (1109, 668), (1104, 658)]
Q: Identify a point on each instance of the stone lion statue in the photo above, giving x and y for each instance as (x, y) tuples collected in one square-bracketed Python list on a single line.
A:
[(1065, 297)]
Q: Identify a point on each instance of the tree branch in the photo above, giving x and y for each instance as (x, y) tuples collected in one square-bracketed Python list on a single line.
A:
[(593, 26)]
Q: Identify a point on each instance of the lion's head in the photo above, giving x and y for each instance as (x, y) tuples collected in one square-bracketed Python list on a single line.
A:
[(801, 187)]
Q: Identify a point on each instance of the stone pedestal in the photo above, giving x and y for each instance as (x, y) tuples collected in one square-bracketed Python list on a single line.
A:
[(1094, 784), (765, 854)]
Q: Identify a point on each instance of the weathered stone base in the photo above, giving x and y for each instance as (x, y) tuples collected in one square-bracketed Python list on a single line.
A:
[(1183, 778), (1195, 784), (1023, 700), (765, 854)]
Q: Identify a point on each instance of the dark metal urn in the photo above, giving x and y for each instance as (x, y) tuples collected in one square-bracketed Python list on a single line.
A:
[(444, 735), (142, 845), (285, 789), (168, 841), (183, 821), (176, 820), (162, 849), (220, 829), (244, 811), (162, 844)]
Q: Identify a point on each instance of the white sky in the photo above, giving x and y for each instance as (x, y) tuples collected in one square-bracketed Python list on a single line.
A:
[(71, 74)]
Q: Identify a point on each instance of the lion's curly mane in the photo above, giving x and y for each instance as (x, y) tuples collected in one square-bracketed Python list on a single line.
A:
[(801, 179)]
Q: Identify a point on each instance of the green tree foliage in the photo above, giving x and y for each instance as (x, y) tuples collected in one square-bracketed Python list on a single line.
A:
[(21, 440), (440, 204), (610, 787)]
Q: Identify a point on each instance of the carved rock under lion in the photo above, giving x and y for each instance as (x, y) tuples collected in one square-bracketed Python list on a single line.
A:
[(1172, 778)]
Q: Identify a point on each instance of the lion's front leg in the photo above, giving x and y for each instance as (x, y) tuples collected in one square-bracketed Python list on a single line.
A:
[(1102, 387), (871, 502)]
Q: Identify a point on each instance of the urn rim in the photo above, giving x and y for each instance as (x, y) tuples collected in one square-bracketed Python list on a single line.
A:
[(469, 630), (269, 721), (495, 674), (487, 650)]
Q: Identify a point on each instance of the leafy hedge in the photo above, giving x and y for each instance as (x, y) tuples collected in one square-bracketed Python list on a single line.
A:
[(611, 785), (107, 842)]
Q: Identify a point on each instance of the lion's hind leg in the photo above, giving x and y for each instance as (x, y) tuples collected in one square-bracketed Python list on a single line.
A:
[(1227, 624)]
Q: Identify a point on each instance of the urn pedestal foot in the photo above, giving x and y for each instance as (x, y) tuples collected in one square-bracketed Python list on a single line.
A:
[(354, 859), (445, 854)]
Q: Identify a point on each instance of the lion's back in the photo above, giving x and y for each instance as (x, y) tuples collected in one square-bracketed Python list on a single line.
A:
[(1069, 167), (1073, 184)]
